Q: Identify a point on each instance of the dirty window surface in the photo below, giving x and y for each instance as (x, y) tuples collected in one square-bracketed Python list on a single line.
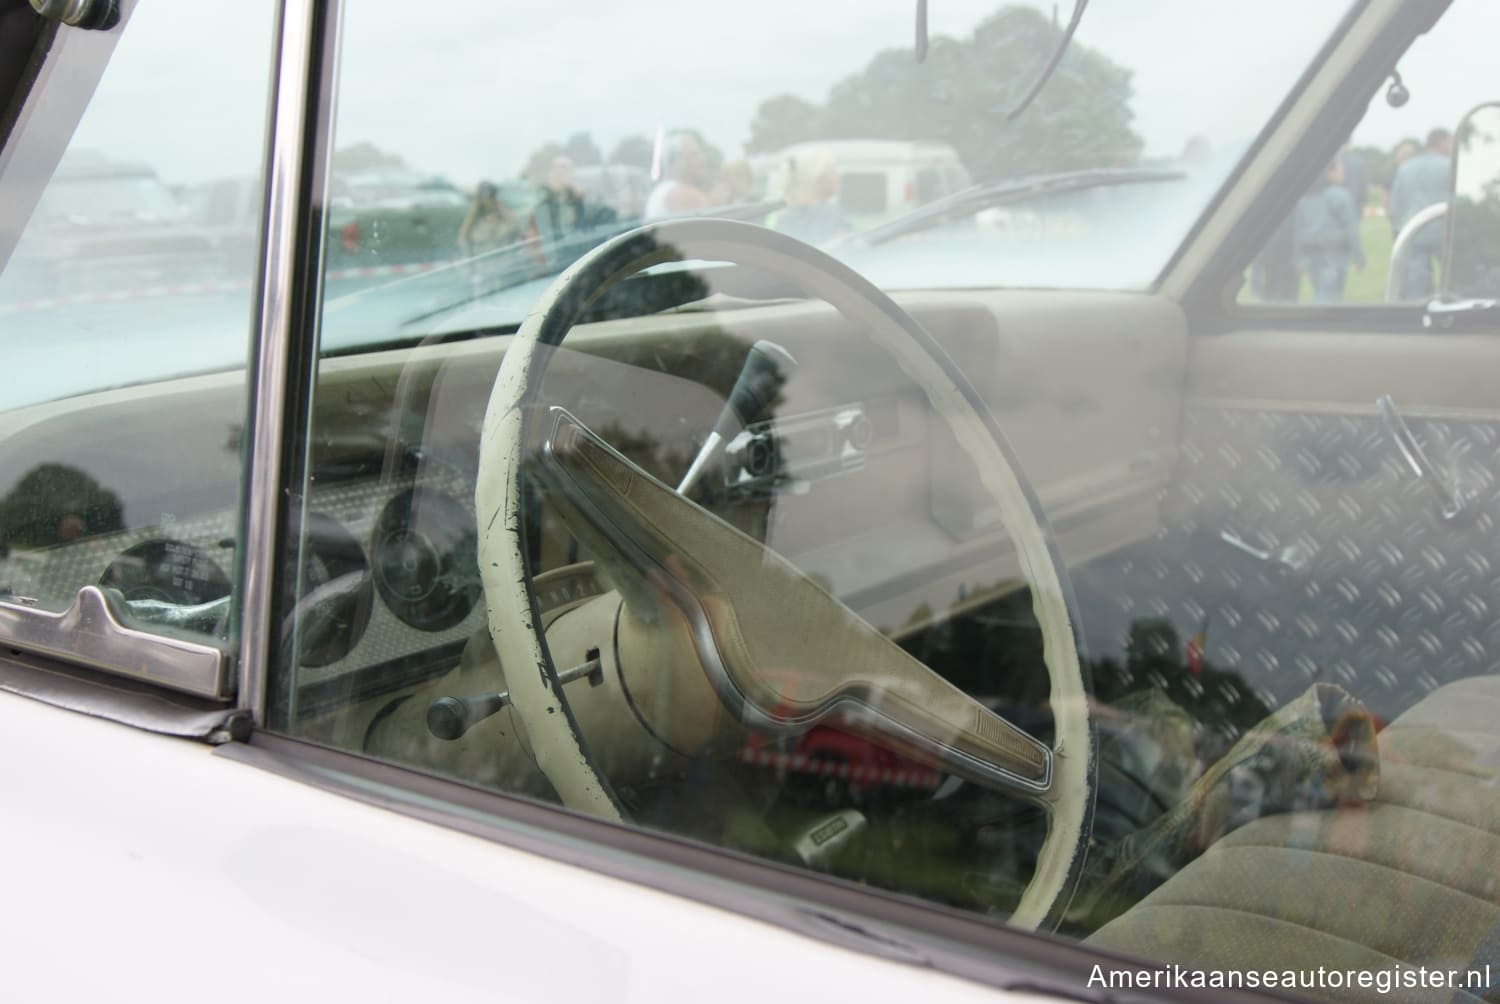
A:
[(715, 549), (827, 128), (125, 317), (119, 242), (1372, 227)]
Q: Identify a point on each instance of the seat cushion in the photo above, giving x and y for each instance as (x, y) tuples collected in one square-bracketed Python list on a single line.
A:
[(1411, 878)]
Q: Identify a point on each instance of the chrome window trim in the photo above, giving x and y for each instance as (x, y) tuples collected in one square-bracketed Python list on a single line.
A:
[(91, 632), (276, 319)]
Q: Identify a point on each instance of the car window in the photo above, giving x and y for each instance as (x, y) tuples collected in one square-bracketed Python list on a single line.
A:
[(436, 231), (1371, 227), (719, 511), (120, 280)]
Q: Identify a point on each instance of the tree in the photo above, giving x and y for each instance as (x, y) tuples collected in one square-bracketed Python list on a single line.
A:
[(54, 504), (782, 121), (713, 157), (1379, 164), (361, 157), (535, 168), (961, 94), (634, 151), (582, 150), (1472, 266)]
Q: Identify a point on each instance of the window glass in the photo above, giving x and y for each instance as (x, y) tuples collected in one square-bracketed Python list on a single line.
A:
[(861, 192), (125, 313), (819, 123), (929, 184), (1371, 228), (688, 527)]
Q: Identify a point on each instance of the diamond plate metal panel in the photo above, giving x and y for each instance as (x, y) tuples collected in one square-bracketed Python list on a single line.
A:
[(53, 576), (1393, 600)]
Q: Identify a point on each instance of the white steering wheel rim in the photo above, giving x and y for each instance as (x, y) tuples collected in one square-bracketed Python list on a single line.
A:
[(536, 695)]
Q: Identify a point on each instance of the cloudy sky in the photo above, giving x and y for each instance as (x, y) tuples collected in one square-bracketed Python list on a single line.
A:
[(471, 91)]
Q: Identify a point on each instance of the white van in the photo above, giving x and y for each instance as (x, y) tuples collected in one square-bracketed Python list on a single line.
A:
[(878, 179)]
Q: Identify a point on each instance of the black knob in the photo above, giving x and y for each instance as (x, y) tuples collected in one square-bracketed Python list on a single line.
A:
[(760, 456), (451, 717), (767, 367)]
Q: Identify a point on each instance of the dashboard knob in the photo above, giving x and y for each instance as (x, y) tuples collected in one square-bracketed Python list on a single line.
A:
[(450, 717)]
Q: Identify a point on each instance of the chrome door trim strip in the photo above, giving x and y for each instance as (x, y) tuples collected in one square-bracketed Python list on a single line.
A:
[(92, 632), (276, 321)]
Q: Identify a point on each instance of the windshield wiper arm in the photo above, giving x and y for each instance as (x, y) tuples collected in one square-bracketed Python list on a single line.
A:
[(988, 195), (1047, 71)]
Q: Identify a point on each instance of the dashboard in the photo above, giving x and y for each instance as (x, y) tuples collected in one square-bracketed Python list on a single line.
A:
[(847, 475)]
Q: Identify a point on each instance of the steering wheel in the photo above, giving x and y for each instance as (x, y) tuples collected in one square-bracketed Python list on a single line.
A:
[(720, 608)]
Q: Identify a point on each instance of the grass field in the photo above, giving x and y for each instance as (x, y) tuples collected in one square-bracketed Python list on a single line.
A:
[(1366, 285)]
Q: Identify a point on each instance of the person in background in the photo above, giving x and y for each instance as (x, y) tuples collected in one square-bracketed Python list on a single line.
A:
[(1357, 183), (1356, 176), (562, 208), (1422, 181), (734, 184), (680, 190), (1326, 235), (490, 223), (1404, 151), (812, 212)]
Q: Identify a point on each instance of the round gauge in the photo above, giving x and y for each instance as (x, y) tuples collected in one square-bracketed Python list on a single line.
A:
[(334, 595), (425, 559), (166, 570)]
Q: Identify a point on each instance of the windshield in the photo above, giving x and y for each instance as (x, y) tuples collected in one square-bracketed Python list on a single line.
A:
[(820, 123), (450, 206)]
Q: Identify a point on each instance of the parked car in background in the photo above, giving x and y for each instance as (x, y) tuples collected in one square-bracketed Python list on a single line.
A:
[(394, 217), (105, 226), (621, 187), (229, 211), (878, 179)]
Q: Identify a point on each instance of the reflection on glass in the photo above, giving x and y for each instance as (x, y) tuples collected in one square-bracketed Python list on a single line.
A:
[(432, 229), (1396, 170), (1264, 605), (1473, 257), (126, 312)]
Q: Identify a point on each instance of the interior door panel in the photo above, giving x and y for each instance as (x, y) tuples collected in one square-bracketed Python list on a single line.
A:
[(1300, 542), (1087, 389)]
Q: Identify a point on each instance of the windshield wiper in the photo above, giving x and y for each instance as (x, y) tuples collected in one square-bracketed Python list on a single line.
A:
[(990, 194)]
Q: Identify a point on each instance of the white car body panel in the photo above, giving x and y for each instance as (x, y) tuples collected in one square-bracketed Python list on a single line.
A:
[(145, 867)]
